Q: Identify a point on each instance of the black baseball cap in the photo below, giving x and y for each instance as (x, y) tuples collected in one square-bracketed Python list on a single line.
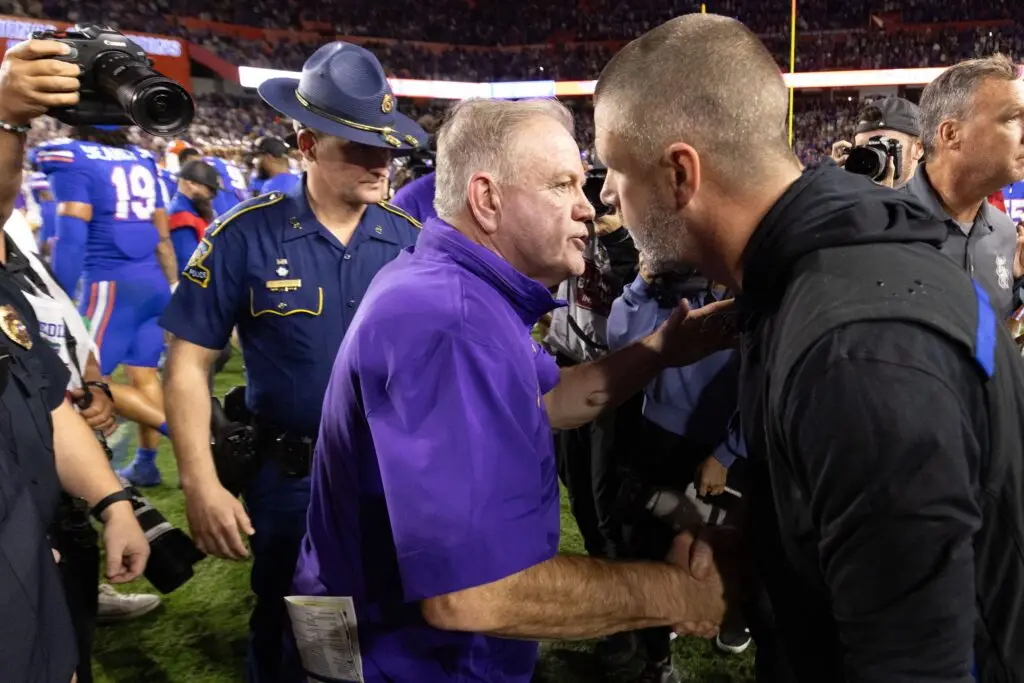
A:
[(275, 147), (198, 171), (896, 114)]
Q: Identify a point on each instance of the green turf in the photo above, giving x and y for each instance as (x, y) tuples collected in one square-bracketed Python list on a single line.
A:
[(198, 635)]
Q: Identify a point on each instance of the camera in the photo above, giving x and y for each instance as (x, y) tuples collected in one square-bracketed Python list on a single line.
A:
[(592, 189), (171, 552), (871, 159), (119, 84)]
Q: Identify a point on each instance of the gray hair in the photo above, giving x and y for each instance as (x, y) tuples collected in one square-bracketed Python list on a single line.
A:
[(950, 96), (477, 136), (703, 79)]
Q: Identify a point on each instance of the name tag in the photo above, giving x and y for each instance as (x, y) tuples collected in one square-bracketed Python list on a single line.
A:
[(283, 285)]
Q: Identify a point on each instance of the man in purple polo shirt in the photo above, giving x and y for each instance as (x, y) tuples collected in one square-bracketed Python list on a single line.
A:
[(435, 502)]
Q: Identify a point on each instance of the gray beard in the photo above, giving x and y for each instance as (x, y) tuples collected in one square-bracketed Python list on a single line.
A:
[(663, 238)]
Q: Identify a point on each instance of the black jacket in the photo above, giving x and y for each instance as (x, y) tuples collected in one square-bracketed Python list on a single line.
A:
[(881, 402)]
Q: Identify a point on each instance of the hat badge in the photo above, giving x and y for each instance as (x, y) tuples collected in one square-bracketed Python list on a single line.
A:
[(388, 103), (14, 327)]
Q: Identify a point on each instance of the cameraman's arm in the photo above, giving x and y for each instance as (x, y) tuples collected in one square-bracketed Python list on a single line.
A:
[(30, 84)]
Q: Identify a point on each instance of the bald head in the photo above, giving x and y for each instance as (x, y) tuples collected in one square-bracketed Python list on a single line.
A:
[(702, 79)]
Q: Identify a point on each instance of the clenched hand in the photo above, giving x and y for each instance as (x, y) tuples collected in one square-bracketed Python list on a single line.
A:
[(33, 82)]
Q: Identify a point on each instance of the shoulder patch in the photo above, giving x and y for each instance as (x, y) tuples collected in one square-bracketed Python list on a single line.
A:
[(242, 208), (398, 212), (195, 270)]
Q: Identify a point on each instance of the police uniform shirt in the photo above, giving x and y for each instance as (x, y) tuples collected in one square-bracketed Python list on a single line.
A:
[(37, 642), (985, 250), (271, 268)]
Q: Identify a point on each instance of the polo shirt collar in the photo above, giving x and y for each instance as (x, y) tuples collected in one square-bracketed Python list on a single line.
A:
[(529, 298), (921, 188)]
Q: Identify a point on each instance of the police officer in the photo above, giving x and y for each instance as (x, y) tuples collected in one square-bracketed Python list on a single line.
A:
[(289, 270), (45, 445), (971, 152)]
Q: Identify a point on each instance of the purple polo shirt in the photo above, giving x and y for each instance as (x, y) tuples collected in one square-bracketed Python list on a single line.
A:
[(434, 470), (417, 198)]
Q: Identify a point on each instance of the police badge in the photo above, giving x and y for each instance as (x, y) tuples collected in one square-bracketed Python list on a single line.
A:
[(387, 104), (14, 327)]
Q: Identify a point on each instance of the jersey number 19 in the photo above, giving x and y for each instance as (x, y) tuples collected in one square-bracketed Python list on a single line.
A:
[(136, 193)]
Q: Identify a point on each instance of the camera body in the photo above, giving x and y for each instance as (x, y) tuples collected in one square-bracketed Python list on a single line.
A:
[(119, 85), (872, 158)]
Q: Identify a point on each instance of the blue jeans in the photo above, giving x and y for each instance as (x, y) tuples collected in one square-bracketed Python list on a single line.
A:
[(277, 507)]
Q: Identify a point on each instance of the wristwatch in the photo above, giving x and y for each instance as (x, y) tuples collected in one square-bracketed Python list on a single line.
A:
[(102, 386)]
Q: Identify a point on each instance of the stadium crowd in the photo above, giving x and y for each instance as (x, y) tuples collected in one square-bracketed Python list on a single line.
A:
[(288, 169)]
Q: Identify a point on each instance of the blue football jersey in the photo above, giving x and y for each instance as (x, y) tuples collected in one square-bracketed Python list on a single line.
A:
[(1013, 196), (123, 187), (234, 186), (169, 181)]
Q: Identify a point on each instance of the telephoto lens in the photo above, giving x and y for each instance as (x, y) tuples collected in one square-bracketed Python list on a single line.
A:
[(155, 103), (171, 552)]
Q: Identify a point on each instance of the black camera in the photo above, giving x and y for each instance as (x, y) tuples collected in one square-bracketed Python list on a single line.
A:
[(871, 159), (171, 552), (592, 189), (119, 84)]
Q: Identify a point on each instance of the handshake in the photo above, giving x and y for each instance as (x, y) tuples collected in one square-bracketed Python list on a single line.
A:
[(717, 578)]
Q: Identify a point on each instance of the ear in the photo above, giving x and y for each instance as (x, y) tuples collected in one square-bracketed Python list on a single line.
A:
[(683, 162), (484, 202), (949, 134), (917, 150), (307, 143)]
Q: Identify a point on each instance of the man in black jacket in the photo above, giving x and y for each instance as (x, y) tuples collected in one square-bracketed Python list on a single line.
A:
[(880, 398)]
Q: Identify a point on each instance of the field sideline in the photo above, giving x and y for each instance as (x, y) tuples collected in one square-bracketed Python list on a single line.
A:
[(198, 635)]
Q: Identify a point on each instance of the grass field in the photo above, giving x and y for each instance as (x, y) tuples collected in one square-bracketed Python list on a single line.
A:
[(198, 635)]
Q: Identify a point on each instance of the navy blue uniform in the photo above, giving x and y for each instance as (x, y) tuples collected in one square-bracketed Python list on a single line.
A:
[(270, 268), (37, 640)]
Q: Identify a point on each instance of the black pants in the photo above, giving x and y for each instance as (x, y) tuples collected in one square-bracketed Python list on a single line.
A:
[(75, 539), (589, 458), (659, 458)]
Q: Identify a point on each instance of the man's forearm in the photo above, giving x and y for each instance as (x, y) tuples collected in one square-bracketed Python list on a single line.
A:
[(82, 467), (167, 258), (12, 154), (585, 391), (570, 597), (187, 405)]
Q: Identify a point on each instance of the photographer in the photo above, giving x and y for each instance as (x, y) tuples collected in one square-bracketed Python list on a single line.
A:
[(45, 445), (973, 148), (890, 119), (416, 195)]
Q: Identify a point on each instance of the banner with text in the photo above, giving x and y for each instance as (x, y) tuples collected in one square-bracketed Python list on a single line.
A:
[(169, 55)]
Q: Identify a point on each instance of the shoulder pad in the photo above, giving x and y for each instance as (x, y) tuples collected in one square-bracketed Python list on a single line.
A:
[(242, 208), (400, 213)]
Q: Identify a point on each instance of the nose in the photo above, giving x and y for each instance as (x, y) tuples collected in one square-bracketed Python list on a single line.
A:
[(608, 194), (584, 209)]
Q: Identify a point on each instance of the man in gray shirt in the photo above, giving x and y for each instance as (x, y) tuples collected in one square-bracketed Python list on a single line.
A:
[(972, 127)]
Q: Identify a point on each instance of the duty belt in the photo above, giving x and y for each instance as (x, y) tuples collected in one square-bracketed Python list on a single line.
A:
[(292, 454)]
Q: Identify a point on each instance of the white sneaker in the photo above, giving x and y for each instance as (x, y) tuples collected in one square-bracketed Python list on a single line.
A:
[(114, 606), (733, 642)]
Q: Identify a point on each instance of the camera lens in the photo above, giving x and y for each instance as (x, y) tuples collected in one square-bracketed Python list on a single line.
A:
[(867, 161), (155, 103)]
